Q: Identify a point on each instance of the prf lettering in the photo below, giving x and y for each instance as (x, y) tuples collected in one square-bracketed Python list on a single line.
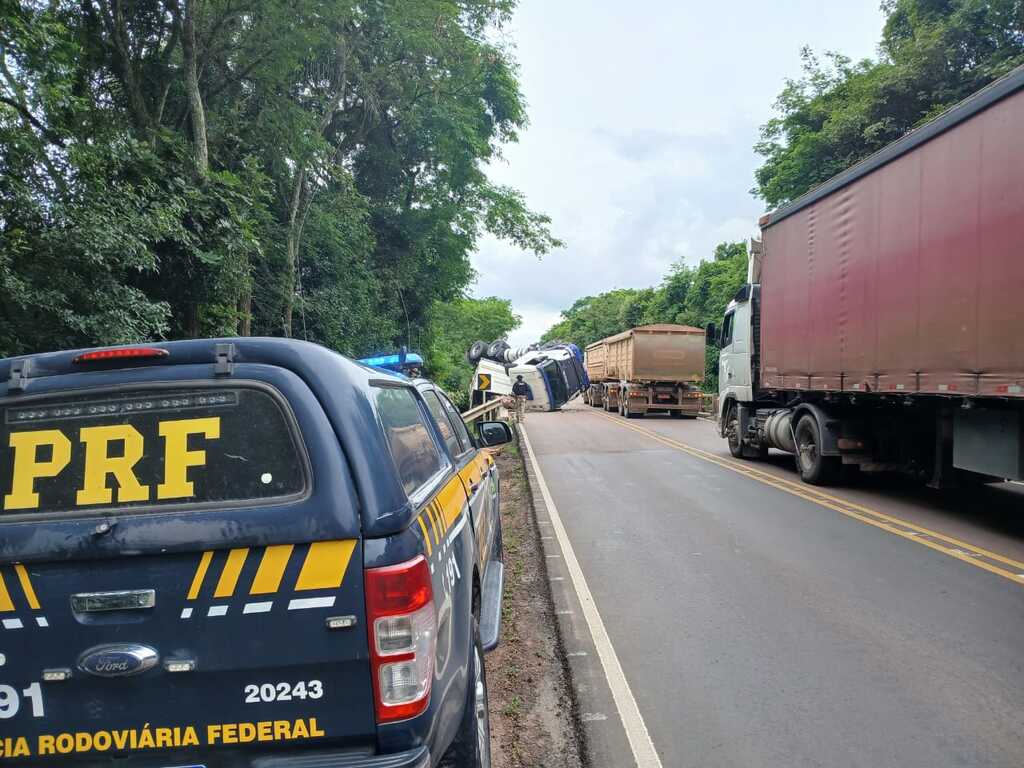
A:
[(31, 463)]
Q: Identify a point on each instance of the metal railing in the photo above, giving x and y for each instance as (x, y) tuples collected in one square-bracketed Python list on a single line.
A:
[(489, 411)]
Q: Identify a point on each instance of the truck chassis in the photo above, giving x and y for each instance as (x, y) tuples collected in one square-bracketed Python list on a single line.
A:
[(635, 399)]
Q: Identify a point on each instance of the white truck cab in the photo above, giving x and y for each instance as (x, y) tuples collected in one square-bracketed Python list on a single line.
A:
[(735, 363)]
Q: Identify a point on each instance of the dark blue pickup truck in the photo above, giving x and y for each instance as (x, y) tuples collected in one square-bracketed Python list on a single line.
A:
[(242, 552)]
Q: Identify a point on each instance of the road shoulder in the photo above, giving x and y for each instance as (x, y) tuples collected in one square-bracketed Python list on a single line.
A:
[(533, 715), (604, 738)]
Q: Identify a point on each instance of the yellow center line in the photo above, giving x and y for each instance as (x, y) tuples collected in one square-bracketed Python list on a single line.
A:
[(848, 508)]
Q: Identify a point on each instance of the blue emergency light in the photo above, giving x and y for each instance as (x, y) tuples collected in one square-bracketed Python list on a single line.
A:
[(400, 363)]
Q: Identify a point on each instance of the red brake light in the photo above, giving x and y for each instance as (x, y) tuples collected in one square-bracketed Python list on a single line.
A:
[(402, 626), (126, 353), (399, 588)]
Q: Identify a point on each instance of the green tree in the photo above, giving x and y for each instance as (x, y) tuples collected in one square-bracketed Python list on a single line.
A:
[(933, 54), (595, 317), (687, 296), (453, 327), (289, 167)]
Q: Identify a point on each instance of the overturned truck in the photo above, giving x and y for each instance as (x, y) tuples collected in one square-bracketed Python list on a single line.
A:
[(554, 373)]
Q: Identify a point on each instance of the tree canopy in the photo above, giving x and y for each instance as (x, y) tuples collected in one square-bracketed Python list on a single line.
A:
[(933, 53), (455, 325), (308, 168), (688, 296)]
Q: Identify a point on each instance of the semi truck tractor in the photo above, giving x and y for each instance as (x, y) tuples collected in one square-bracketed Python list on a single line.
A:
[(650, 369), (882, 325)]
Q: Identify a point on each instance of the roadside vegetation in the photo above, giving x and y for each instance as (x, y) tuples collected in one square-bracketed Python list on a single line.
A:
[(306, 168), (933, 53), (688, 296)]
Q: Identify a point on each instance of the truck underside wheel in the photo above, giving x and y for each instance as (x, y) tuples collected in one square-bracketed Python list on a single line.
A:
[(732, 432), (812, 466), (472, 745)]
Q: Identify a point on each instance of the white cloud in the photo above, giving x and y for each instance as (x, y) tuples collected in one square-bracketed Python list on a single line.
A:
[(643, 118)]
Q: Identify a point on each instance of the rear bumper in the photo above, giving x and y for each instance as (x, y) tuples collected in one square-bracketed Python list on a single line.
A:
[(416, 758)]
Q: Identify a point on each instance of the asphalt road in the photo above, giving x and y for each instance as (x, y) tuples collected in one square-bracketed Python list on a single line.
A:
[(878, 625)]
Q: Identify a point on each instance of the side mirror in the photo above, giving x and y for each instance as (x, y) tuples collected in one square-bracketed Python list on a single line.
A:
[(711, 334), (494, 433)]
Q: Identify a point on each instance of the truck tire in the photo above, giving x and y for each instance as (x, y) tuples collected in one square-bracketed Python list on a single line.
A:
[(814, 468), (732, 425), (476, 351), (471, 747)]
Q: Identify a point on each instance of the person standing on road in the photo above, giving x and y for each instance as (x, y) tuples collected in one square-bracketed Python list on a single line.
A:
[(521, 391)]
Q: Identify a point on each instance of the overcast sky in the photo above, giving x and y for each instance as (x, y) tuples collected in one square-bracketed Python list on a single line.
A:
[(643, 116)]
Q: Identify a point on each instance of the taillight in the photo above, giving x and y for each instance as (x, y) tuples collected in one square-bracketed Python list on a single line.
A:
[(403, 636), (124, 353)]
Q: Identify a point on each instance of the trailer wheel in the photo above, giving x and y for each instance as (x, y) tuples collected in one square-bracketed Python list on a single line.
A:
[(812, 466)]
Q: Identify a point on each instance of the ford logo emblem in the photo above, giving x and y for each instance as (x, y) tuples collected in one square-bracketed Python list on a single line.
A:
[(118, 660)]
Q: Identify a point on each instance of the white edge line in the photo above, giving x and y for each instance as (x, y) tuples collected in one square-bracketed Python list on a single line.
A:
[(629, 713)]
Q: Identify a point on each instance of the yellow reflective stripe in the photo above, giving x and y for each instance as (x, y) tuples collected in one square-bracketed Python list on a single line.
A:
[(26, 586), (232, 570), (450, 499), (5, 597), (325, 565), (433, 522), (435, 509), (197, 580), (271, 571), (426, 536)]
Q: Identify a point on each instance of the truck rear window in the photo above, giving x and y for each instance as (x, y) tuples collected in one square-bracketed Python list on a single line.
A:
[(148, 448)]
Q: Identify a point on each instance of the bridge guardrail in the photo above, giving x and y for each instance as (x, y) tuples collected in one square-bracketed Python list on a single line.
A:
[(489, 411)]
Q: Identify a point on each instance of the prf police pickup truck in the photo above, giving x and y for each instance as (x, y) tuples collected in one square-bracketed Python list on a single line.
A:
[(243, 552)]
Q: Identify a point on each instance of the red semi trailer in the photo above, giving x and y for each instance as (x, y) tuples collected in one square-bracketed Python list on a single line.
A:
[(883, 322)]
